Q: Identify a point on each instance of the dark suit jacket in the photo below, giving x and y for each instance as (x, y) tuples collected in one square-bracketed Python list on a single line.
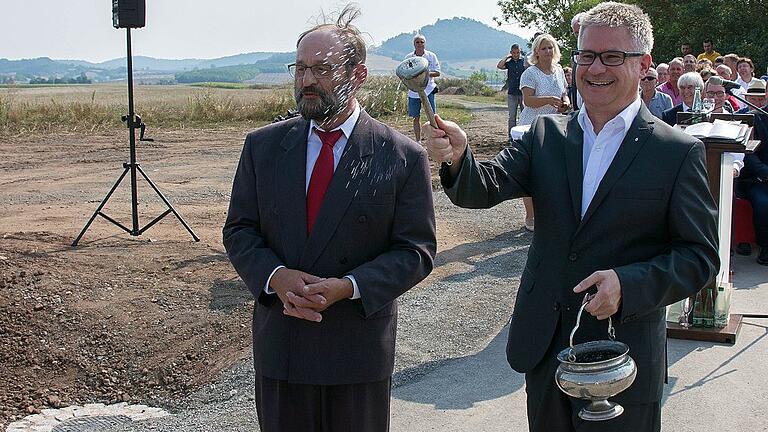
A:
[(756, 164), (376, 223), (670, 116), (652, 220)]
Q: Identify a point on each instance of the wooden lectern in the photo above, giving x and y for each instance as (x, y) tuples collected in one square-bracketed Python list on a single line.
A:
[(719, 171)]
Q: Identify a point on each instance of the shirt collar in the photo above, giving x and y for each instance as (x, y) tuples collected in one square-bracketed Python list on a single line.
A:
[(346, 127), (626, 116)]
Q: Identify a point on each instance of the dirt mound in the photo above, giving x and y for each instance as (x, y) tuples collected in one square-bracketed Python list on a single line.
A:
[(113, 322)]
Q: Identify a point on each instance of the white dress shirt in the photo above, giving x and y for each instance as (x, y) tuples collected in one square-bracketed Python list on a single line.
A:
[(600, 149), (313, 152)]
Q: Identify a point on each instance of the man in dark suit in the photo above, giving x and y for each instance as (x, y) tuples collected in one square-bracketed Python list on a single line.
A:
[(331, 219), (626, 215)]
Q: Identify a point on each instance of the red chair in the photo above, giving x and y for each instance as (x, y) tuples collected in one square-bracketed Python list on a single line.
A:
[(743, 226)]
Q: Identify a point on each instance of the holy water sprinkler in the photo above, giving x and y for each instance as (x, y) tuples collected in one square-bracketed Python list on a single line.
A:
[(414, 73)]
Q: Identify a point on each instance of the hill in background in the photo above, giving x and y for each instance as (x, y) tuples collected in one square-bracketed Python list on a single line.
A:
[(463, 45), (455, 39)]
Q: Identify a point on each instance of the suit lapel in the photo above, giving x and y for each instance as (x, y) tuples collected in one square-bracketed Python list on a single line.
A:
[(574, 155), (344, 186), (290, 191), (638, 133)]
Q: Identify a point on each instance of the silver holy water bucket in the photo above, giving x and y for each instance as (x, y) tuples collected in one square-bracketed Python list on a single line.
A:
[(595, 371)]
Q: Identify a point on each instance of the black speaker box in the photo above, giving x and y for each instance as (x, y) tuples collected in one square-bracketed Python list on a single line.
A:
[(128, 13)]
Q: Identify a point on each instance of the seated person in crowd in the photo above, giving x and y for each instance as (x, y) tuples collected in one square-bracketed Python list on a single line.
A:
[(689, 63), (656, 101), (717, 92), (754, 95), (724, 72), (746, 71), (670, 87), (687, 84), (704, 64), (730, 60), (663, 73)]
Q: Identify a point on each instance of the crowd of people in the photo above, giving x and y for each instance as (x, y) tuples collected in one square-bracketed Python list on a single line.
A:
[(542, 86)]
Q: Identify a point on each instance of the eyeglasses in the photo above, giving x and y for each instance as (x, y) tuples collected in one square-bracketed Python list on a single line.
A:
[(419, 42), (608, 58), (648, 78), (716, 94), (322, 70)]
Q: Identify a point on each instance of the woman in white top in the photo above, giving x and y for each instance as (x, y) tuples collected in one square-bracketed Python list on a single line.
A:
[(545, 91), (543, 85)]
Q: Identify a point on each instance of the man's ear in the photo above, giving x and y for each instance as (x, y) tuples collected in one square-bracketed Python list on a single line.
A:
[(645, 63), (360, 75)]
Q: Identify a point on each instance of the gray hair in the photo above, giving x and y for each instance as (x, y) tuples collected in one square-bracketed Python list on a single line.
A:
[(724, 67), (662, 66), (537, 42), (355, 50), (576, 19), (690, 79), (620, 15), (420, 36), (676, 60)]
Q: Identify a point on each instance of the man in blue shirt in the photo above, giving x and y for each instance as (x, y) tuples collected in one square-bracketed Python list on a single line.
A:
[(515, 64)]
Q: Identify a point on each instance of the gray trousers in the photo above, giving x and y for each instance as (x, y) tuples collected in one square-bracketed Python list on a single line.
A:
[(513, 103)]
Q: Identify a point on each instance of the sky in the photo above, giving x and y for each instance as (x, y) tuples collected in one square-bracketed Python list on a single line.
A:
[(82, 29)]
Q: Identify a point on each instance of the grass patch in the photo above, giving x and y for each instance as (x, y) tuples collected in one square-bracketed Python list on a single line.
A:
[(455, 113), (470, 87), (498, 98), (383, 96), (221, 85)]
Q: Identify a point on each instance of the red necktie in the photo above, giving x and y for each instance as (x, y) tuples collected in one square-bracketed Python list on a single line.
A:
[(321, 175)]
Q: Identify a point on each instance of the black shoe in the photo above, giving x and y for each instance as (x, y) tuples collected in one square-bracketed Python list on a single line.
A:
[(762, 259), (744, 249)]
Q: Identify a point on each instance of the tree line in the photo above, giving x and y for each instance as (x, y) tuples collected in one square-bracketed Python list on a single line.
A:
[(739, 27)]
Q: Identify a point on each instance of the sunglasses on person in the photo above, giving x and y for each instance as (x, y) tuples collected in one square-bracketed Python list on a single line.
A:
[(648, 78)]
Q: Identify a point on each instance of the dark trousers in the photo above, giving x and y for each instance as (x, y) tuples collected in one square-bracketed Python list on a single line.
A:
[(758, 196), (286, 407), (551, 410)]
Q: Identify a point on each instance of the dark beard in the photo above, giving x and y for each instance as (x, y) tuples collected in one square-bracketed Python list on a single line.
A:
[(320, 110)]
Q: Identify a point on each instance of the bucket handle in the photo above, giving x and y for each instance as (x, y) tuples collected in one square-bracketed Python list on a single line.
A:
[(611, 330)]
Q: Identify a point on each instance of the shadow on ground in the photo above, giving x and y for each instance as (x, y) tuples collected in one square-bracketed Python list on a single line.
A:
[(460, 383)]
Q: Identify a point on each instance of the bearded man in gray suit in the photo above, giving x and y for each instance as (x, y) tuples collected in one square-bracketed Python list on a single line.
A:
[(623, 211), (331, 219)]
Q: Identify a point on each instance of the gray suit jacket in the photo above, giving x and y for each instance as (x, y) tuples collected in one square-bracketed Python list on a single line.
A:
[(652, 220), (376, 223)]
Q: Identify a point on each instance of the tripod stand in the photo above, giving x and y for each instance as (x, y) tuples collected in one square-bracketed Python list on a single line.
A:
[(133, 121)]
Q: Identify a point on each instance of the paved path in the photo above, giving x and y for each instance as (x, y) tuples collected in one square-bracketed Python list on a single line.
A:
[(712, 387)]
